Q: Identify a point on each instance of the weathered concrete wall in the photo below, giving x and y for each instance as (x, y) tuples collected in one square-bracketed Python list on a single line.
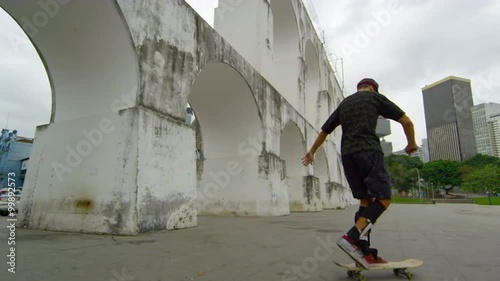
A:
[(166, 173), (143, 175), (84, 182), (294, 61)]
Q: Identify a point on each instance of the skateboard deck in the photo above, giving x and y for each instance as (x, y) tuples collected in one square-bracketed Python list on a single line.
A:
[(398, 268)]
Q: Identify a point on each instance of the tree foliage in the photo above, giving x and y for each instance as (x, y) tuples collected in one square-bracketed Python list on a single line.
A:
[(403, 171), (483, 179), (481, 160), (443, 173)]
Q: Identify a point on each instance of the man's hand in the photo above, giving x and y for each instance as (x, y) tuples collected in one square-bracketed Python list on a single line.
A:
[(410, 134), (308, 158), (411, 148)]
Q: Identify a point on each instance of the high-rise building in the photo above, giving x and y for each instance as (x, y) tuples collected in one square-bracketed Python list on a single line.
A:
[(386, 147), (425, 151), (450, 131), (482, 115), (494, 126)]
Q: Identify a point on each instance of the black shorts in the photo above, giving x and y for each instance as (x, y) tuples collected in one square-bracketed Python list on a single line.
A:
[(367, 175)]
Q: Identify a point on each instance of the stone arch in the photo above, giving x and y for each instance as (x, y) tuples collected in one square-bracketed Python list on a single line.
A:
[(92, 67), (326, 111), (312, 81), (340, 176), (91, 64), (292, 149), (231, 130), (321, 172), (286, 51), (323, 108)]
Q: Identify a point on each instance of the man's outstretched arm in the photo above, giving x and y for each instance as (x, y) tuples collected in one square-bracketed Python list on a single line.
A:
[(309, 157), (409, 130), (330, 125), (318, 142)]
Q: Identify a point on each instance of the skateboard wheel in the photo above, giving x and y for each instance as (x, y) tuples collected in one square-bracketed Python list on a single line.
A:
[(361, 277), (350, 273), (410, 276), (395, 271)]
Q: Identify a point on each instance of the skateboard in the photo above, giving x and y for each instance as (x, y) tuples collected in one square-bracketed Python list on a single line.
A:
[(399, 268)]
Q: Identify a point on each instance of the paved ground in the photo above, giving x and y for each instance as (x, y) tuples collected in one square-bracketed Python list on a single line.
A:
[(456, 242)]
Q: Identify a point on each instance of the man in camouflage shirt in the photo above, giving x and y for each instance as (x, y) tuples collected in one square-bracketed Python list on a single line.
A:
[(363, 161)]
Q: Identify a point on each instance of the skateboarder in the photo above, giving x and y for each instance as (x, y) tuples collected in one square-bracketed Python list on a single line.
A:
[(363, 161)]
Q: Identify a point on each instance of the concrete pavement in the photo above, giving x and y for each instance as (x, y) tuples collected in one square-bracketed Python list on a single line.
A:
[(456, 242)]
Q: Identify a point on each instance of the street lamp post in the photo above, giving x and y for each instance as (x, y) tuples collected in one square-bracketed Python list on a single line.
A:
[(419, 186)]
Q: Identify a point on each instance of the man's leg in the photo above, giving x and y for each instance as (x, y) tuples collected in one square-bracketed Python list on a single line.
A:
[(372, 168), (364, 242), (359, 191), (378, 185)]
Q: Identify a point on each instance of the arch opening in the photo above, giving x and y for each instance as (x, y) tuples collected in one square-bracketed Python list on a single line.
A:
[(28, 104), (321, 172), (228, 139), (92, 73), (292, 149), (312, 103), (286, 51), (91, 64)]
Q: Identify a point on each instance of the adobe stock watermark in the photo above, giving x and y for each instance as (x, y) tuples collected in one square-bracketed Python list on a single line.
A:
[(92, 138), (488, 86), (32, 24), (121, 276), (322, 252), (371, 29), (249, 148)]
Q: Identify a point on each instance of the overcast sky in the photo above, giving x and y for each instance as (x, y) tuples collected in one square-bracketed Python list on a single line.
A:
[(404, 48)]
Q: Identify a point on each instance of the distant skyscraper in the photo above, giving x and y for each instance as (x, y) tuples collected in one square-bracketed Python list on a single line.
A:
[(483, 116), (494, 126), (386, 147), (450, 132), (425, 151)]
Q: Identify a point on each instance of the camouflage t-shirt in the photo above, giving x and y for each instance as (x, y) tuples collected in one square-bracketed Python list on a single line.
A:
[(358, 115)]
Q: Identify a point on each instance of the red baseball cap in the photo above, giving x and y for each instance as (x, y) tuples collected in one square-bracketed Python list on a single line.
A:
[(369, 81)]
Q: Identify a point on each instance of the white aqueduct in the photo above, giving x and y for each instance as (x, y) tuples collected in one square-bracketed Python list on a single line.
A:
[(118, 156)]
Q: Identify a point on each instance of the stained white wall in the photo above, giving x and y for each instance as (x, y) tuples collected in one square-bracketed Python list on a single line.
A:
[(312, 87), (252, 36), (285, 46), (321, 172), (82, 176), (81, 173)]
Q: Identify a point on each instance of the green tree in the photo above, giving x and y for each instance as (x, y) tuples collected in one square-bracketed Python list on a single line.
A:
[(407, 161), (402, 171), (481, 160), (397, 176), (483, 179), (465, 170), (443, 173)]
